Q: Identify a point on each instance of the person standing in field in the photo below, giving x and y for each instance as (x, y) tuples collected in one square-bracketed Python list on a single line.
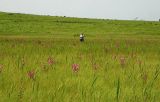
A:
[(81, 37)]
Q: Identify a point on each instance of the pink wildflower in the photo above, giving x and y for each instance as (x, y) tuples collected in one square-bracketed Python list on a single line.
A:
[(75, 67), (31, 74), (50, 61)]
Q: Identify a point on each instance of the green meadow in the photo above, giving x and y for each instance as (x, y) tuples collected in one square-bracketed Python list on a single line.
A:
[(42, 59)]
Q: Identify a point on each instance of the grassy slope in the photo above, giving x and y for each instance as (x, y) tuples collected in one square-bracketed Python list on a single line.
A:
[(21, 24)]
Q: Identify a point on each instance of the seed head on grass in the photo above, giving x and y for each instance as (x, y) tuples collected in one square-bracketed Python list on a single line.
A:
[(114, 57), (139, 62), (95, 66), (133, 55), (122, 61), (13, 45), (75, 67), (80, 56), (106, 50), (117, 44), (44, 67), (1, 68), (31, 74), (23, 62), (144, 78)]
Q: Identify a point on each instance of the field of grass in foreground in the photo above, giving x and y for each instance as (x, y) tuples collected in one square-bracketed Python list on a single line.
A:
[(111, 65)]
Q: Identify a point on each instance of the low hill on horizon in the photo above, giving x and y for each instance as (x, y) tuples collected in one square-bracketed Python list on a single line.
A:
[(29, 25)]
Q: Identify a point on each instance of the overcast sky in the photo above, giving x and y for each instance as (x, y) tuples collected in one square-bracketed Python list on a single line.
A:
[(110, 9)]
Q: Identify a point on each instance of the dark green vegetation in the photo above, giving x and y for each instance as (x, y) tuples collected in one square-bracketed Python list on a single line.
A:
[(42, 60)]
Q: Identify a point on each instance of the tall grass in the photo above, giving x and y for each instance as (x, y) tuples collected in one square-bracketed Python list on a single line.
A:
[(41, 70)]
